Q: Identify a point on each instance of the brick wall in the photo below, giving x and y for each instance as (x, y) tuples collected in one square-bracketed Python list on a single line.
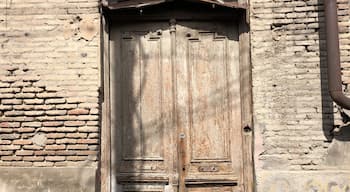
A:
[(294, 117), (49, 98), (49, 81)]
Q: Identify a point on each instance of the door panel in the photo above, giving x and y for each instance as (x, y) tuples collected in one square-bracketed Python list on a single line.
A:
[(142, 105), (176, 123), (209, 102)]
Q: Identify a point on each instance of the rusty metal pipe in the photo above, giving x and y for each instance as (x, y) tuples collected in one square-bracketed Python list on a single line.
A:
[(333, 55)]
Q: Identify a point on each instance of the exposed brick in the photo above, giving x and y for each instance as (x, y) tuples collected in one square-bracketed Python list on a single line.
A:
[(5, 142), (74, 123), (43, 164), (33, 147), (55, 147), (7, 95), (55, 135), (66, 129), (33, 101), (11, 158), (14, 113), (21, 164), (25, 95), (32, 90), (55, 101), (48, 95), (35, 158), (9, 124), (66, 106), (86, 152), (55, 158), (23, 107), (11, 136), (22, 142), (82, 147), (10, 90), (93, 135), (31, 124), (11, 101), (66, 141), (66, 153), (78, 112), (76, 135), (53, 123), (26, 130), (88, 129), (43, 153), (6, 153), (88, 141), (77, 158), (56, 112), (24, 153), (34, 113)]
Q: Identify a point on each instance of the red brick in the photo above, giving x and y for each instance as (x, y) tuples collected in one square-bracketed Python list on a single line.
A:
[(44, 153), (66, 129), (25, 130), (4, 153), (11, 158), (78, 112), (52, 123), (22, 142), (74, 123), (31, 124), (88, 129), (65, 140), (10, 147), (9, 124), (56, 112), (33, 101), (24, 153)]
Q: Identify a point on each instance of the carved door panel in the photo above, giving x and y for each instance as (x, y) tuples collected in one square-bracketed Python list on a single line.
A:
[(175, 104), (142, 106), (208, 96)]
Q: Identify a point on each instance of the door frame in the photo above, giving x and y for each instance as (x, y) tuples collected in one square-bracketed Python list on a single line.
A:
[(106, 174)]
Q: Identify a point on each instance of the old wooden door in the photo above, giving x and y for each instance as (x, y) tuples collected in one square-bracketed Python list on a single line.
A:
[(176, 111)]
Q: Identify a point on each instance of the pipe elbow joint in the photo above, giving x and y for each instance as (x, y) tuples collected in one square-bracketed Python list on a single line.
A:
[(340, 99)]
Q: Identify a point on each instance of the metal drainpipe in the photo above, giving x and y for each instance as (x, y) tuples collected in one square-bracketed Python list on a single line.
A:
[(333, 55)]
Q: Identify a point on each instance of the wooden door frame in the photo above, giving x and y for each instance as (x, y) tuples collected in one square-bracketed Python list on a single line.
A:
[(106, 151)]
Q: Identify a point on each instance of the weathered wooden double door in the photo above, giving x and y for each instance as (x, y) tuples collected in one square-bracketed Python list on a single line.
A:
[(176, 108)]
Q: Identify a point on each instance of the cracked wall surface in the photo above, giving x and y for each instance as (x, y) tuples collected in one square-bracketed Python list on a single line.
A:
[(301, 136), (49, 100), (49, 95)]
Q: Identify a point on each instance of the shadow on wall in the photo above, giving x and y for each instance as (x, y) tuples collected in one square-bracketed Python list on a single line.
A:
[(331, 129)]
